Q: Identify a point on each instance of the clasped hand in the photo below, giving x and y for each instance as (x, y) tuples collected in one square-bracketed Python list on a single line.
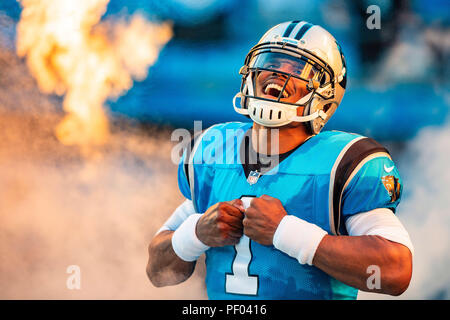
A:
[(225, 222)]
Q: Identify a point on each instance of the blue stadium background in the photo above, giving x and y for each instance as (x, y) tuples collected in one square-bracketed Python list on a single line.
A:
[(196, 75)]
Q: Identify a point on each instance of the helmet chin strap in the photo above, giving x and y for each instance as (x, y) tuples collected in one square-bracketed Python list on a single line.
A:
[(239, 110)]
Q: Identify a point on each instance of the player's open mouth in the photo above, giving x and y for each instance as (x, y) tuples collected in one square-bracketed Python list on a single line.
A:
[(273, 89)]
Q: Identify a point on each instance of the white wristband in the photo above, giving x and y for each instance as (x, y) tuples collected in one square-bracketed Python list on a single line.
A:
[(185, 242), (298, 238)]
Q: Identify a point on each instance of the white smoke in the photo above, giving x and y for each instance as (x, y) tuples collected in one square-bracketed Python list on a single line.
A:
[(58, 208), (425, 212)]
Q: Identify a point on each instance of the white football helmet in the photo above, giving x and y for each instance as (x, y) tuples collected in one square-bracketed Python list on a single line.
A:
[(291, 52)]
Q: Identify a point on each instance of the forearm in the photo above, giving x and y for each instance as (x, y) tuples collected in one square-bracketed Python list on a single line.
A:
[(164, 267), (347, 259)]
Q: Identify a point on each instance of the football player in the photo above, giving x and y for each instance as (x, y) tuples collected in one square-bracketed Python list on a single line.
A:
[(313, 219)]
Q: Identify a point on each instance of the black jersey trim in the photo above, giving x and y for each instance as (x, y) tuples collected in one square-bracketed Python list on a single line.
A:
[(189, 149), (247, 153), (352, 157)]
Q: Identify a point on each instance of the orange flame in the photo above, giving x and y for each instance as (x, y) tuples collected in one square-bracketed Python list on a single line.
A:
[(72, 53)]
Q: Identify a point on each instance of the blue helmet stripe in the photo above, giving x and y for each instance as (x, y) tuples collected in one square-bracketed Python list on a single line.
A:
[(303, 30), (290, 27)]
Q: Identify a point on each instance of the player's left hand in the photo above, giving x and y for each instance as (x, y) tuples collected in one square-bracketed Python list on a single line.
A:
[(262, 218)]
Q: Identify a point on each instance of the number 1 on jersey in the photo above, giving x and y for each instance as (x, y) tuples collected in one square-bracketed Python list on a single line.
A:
[(240, 282)]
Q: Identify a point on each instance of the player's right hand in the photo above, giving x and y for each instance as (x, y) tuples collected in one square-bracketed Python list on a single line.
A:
[(221, 224)]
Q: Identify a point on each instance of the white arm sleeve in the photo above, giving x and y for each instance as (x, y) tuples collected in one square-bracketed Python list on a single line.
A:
[(381, 222), (178, 216)]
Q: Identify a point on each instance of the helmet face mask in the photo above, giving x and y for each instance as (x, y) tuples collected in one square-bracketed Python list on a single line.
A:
[(283, 78), (281, 74)]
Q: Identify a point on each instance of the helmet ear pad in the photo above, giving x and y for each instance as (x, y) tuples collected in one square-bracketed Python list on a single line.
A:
[(317, 103), (329, 108)]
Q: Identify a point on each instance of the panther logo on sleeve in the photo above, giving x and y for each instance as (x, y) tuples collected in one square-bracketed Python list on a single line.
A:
[(392, 186)]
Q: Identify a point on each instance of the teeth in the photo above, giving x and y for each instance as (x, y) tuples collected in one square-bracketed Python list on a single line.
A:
[(277, 87)]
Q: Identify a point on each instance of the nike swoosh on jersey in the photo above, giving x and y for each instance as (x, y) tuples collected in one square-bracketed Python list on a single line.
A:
[(388, 169)]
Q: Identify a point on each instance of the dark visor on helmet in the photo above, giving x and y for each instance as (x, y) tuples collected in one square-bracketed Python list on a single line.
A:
[(299, 68)]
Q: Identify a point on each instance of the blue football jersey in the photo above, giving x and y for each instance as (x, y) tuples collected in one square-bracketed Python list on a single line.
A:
[(329, 178)]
